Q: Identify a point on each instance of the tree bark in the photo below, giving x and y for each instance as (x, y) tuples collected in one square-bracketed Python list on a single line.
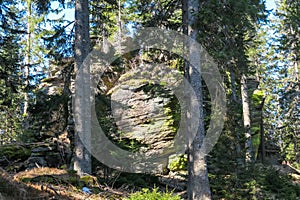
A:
[(198, 183), (28, 61), (246, 119), (262, 133), (233, 86), (235, 99), (82, 159)]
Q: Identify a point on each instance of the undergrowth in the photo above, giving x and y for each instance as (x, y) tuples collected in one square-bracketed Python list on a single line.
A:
[(154, 194), (254, 183)]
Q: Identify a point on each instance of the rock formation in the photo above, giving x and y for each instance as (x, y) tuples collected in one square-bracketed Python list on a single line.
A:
[(145, 109)]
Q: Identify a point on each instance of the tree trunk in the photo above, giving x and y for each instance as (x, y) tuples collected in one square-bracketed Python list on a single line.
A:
[(28, 61), (235, 100), (247, 120), (198, 184), (262, 133), (233, 86), (82, 160), (119, 28)]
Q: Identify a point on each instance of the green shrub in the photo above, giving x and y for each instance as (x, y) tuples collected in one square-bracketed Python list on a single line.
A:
[(257, 182), (296, 165), (146, 194), (14, 152), (281, 185), (178, 163)]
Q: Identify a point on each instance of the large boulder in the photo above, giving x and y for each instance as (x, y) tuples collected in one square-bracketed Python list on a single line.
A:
[(142, 115), (146, 110)]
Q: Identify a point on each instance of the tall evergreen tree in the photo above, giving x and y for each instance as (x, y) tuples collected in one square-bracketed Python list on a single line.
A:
[(223, 30), (198, 184), (34, 55), (82, 160), (289, 89), (10, 72), (163, 14)]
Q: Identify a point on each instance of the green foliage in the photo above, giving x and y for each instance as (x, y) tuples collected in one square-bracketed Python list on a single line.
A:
[(130, 144), (132, 180), (290, 153), (48, 116), (28, 136), (256, 182), (25, 179), (163, 13), (229, 31), (296, 165), (255, 139), (173, 111), (179, 163), (153, 194), (136, 180), (14, 152), (87, 180), (257, 97), (281, 185), (10, 73), (286, 70), (104, 18)]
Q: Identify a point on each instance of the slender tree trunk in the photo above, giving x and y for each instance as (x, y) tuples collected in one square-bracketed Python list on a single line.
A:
[(198, 184), (262, 133), (297, 99), (235, 100), (233, 86), (82, 160), (28, 60), (246, 118), (119, 28), (295, 141)]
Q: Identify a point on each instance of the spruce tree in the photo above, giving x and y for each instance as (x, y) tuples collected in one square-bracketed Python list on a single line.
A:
[(10, 73)]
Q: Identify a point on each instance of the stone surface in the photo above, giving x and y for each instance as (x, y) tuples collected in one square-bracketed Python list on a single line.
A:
[(52, 154), (143, 110)]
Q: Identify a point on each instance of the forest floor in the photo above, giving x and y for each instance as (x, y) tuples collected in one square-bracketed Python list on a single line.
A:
[(53, 183)]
